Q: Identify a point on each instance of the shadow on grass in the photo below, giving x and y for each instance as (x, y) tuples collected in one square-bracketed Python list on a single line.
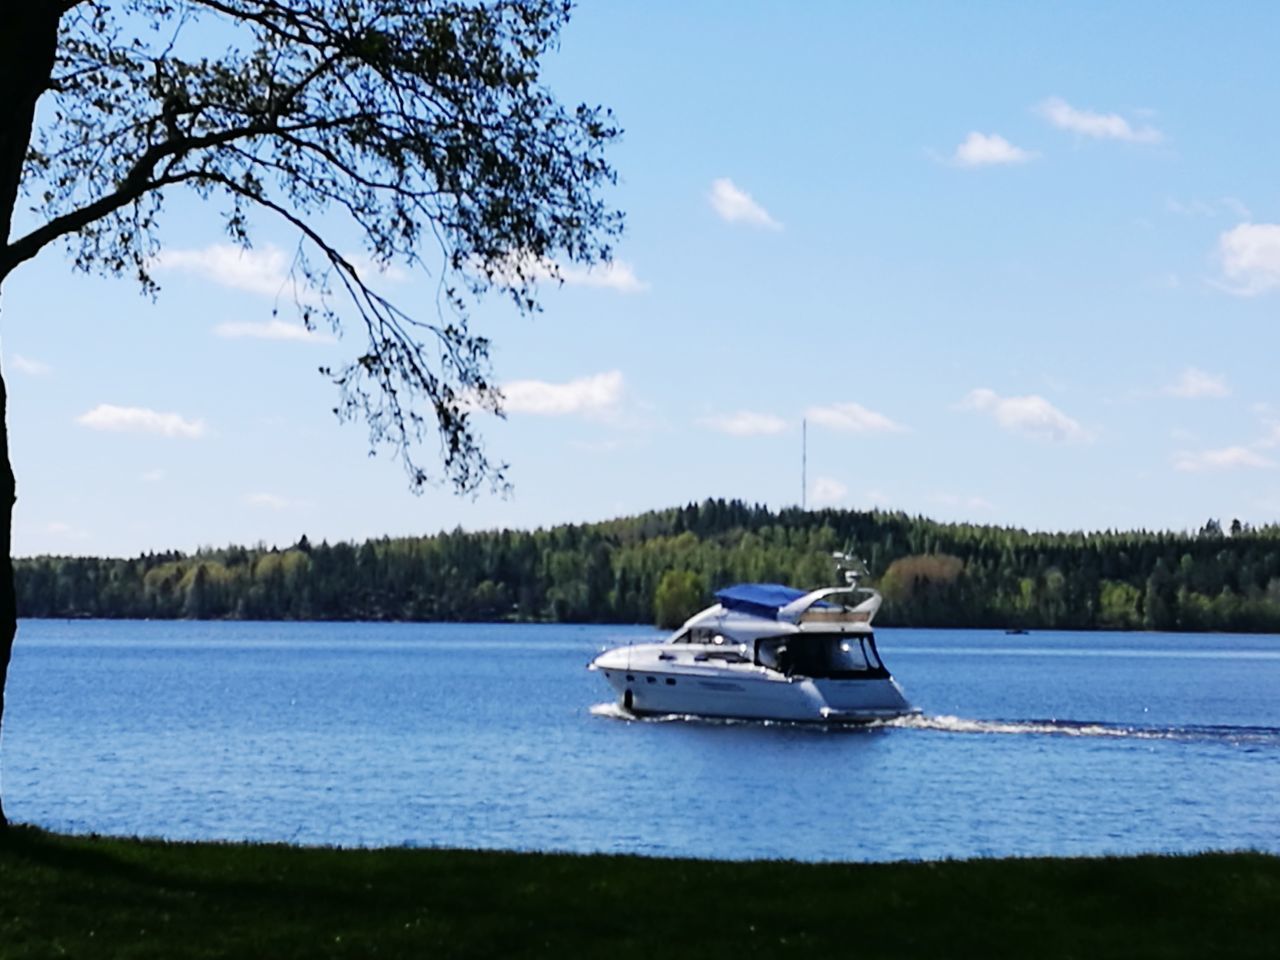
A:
[(89, 896)]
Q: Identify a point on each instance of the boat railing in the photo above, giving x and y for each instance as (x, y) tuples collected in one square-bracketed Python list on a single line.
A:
[(835, 615), (820, 606)]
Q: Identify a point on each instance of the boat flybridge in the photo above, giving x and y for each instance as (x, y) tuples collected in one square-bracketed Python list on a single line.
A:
[(765, 652)]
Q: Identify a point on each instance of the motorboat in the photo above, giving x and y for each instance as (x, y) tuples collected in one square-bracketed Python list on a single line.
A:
[(764, 651)]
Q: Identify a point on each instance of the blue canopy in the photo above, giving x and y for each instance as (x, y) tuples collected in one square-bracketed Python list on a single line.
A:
[(758, 599)]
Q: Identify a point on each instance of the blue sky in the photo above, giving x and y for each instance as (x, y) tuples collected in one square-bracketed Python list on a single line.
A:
[(1016, 264)]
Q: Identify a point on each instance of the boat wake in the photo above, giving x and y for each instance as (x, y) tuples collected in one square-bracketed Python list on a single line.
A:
[(1242, 735), (1266, 736)]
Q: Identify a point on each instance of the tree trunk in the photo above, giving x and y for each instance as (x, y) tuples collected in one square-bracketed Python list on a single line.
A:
[(8, 599), (28, 44)]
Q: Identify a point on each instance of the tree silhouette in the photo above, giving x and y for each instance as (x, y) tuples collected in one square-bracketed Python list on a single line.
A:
[(421, 126)]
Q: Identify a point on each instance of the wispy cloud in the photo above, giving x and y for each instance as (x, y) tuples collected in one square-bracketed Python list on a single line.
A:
[(735, 205), (1250, 257), (271, 330), (826, 492), (596, 446), (1224, 206), (616, 275), (1033, 416), (152, 476), (852, 418), (966, 503), (270, 501), (595, 394), (1101, 126), (32, 368), (66, 530), (262, 270), (1193, 384), (878, 498), (989, 150), (106, 416), (744, 423), (1227, 458)]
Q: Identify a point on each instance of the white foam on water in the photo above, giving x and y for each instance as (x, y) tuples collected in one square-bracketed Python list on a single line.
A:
[(1072, 728), (961, 725), (616, 711), (948, 724)]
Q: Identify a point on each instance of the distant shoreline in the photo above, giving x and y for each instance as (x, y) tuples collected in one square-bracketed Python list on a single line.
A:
[(665, 564), (1013, 635)]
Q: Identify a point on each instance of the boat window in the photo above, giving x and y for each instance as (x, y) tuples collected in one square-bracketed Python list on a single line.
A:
[(847, 656), (771, 653), (730, 655), (701, 635), (873, 655)]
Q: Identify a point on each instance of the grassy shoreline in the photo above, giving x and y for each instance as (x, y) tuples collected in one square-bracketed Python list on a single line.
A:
[(93, 896)]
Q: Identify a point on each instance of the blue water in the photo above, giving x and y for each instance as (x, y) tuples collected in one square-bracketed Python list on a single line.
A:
[(496, 736)]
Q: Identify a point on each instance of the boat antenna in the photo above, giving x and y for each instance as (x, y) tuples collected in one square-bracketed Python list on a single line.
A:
[(804, 462), (848, 567)]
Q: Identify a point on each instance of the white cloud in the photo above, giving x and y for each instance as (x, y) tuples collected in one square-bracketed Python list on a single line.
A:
[(263, 270), (595, 446), (271, 330), (32, 368), (1031, 415), (269, 500), (152, 476), (617, 275), (1228, 458), (988, 150), (878, 498), (737, 206), (59, 529), (369, 268), (596, 394), (825, 491), (106, 416), (1250, 255), (967, 503), (1101, 126), (744, 423), (1195, 383), (1223, 206), (853, 418)]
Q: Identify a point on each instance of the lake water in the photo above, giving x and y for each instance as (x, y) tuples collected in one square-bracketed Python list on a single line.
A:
[(496, 736)]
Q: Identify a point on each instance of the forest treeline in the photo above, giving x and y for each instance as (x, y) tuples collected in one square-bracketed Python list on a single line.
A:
[(665, 564)]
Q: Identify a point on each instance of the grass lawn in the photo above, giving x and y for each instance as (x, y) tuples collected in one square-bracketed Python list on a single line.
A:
[(93, 897)]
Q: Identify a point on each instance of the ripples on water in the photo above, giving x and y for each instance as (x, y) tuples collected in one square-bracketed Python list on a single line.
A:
[(1261, 736), (496, 736)]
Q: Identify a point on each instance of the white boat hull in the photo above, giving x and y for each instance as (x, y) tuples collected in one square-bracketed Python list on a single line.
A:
[(647, 685)]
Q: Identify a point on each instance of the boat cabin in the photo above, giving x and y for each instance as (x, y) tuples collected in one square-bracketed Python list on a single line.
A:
[(804, 634)]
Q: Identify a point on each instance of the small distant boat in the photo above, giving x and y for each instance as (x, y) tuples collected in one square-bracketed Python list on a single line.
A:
[(765, 651), (1016, 632)]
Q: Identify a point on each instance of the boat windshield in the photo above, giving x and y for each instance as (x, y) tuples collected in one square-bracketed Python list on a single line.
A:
[(836, 656)]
